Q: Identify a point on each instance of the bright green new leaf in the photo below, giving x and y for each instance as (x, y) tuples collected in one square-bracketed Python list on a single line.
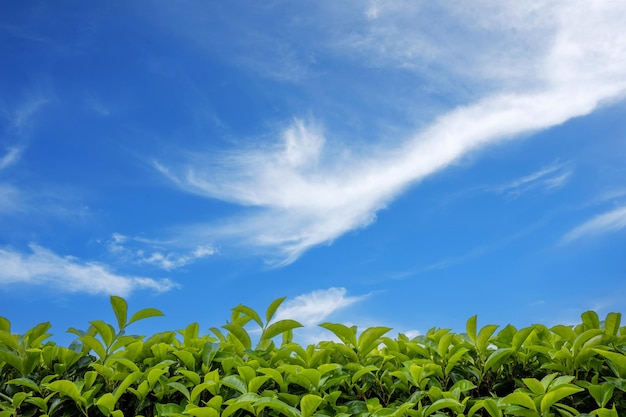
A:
[(470, 328), (25, 382), (247, 311), (240, 334), (370, 339), (106, 331), (277, 405), (612, 323), (590, 320), (106, 402), (271, 310), (450, 403), (12, 359), (617, 359), (497, 357), (520, 398), (201, 412), (66, 388), (482, 340), (309, 403), (346, 334), (94, 344), (235, 382), (556, 395), (120, 308), (180, 388), (279, 327), (144, 314)]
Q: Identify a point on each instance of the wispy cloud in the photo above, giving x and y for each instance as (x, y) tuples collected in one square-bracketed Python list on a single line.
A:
[(134, 250), (307, 190), (12, 156), (608, 222), (548, 178), (313, 308), (69, 274)]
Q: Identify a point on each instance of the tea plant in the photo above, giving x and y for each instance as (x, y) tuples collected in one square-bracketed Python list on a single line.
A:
[(531, 372)]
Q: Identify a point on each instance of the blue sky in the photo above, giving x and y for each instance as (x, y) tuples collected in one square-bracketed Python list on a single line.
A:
[(407, 164)]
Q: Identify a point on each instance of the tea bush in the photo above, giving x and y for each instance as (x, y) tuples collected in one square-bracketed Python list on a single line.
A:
[(535, 371)]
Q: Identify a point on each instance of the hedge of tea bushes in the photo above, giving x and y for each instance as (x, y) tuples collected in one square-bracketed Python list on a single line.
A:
[(535, 371)]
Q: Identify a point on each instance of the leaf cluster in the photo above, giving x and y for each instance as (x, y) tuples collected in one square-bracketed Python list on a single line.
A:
[(535, 371)]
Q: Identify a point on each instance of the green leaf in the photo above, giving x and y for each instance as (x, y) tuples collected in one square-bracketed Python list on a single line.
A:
[(497, 358), (235, 382), (492, 408), (520, 398), (25, 382), (279, 327), (590, 320), (346, 334), (8, 340), (186, 358), (106, 331), (66, 388), (470, 328), (556, 395), (11, 358), (309, 403), (612, 323), (271, 310), (120, 308), (277, 405), (127, 382), (208, 352), (482, 340), (450, 403), (144, 314), (370, 339), (240, 334), (534, 385), (201, 412), (180, 388), (247, 311), (602, 393), (617, 359), (94, 344), (106, 401), (5, 325)]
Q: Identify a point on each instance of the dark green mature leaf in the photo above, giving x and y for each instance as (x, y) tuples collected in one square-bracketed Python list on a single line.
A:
[(120, 308)]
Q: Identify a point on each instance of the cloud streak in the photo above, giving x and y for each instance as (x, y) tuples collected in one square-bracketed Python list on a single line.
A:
[(313, 308), (305, 190), (155, 255), (68, 274), (547, 178), (608, 222)]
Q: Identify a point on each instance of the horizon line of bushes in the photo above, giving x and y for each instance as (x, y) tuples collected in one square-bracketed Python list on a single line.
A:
[(534, 371)]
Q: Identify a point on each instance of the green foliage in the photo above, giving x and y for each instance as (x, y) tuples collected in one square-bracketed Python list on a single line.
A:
[(533, 372)]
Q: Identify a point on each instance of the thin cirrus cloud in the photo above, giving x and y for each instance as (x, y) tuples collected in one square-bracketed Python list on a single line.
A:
[(150, 252), (611, 221), (306, 190), (68, 274), (546, 179), (313, 308)]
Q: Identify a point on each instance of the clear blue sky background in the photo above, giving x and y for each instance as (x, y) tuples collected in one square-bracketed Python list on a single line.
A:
[(406, 164)]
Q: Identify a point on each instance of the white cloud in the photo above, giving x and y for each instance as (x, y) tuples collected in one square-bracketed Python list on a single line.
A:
[(11, 157), (307, 190), (547, 178), (313, 308), (611, 221), (68, 274), (133, 250)]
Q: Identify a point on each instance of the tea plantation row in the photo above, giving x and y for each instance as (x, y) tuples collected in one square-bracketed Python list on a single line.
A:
[(531, 372)]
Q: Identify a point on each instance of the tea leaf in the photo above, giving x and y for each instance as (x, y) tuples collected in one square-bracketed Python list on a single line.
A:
[(279, 327), (556, 395), (271, 310), (120, 308), (346, 334), (247, 311), (144, 314)]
